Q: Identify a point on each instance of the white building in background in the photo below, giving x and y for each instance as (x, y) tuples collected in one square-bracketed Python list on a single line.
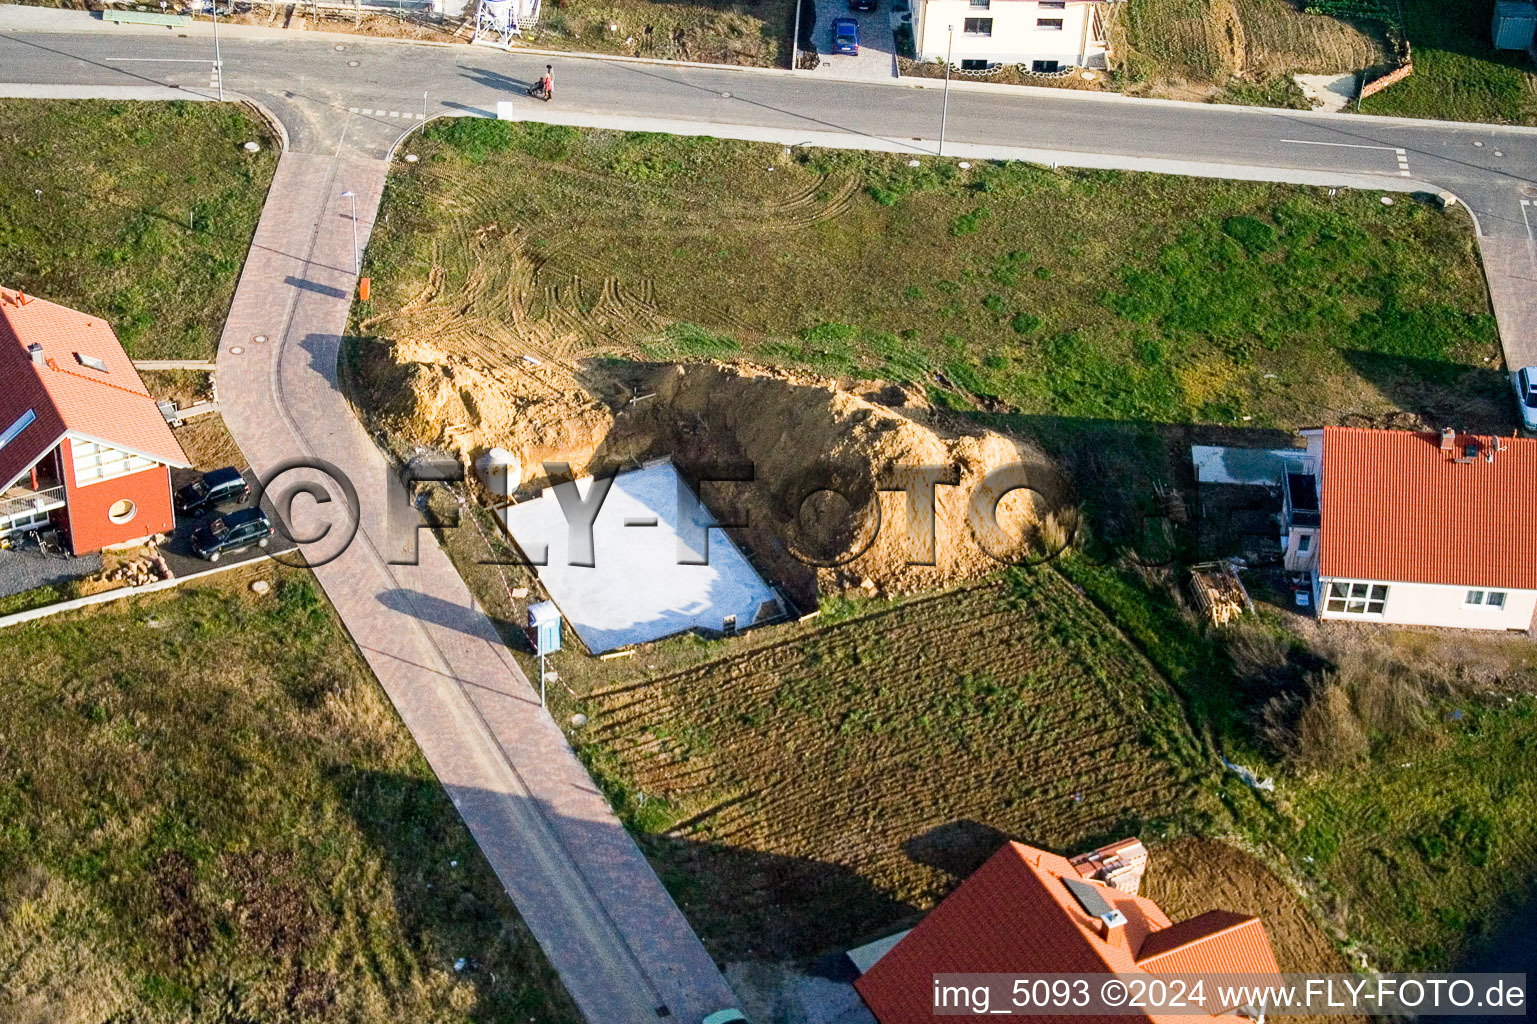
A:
[(1046, 35), (1415, 529)]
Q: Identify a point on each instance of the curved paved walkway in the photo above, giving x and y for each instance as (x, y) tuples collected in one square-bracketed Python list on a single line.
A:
[(591, 899)]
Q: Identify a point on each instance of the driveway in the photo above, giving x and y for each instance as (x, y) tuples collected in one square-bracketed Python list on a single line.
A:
[(876, 59)]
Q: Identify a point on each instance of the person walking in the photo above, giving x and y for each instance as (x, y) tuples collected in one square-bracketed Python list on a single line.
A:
[(547, 83)]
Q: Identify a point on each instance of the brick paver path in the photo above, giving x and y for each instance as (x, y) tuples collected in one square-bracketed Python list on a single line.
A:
[(1510, 265), (591, 899)]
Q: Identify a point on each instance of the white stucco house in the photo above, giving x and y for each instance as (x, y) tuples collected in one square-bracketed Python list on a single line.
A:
[(1415, 528), (1046, 35)]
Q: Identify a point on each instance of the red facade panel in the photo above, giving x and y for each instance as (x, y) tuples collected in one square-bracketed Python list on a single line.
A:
[(90, 512)]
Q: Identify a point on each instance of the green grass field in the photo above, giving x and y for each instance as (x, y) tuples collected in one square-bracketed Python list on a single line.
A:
[(1458, 75), (1005, 287), (140, 213), (209, 811)]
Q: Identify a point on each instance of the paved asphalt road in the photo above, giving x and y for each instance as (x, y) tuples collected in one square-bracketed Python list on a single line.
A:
[(315, 87)]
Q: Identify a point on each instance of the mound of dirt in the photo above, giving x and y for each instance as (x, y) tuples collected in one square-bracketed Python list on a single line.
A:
[(1191, 875), (842, 475), (533, 408), (831, 481)]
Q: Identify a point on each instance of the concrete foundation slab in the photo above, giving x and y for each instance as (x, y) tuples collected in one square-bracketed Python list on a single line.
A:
[(642, 583)]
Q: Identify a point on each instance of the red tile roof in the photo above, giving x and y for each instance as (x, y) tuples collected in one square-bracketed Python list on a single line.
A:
[(1208, 944), (111, 407), (1015, 915), (1396, 507)]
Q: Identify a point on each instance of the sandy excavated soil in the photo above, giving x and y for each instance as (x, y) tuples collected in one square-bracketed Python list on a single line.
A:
[(874, 444)]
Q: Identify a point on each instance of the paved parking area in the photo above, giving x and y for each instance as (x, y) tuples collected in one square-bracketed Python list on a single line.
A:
[(177, 548), (876, 60)]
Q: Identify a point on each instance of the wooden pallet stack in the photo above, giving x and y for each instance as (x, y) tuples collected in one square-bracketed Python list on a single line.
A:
[(1219, 594)]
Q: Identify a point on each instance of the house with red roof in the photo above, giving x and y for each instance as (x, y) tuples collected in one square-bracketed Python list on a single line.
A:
[(1429, 529), (1027, 911), (83, 446)]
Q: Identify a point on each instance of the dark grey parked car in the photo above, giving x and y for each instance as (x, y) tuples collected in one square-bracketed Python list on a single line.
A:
[(216, 489), (236, 531)]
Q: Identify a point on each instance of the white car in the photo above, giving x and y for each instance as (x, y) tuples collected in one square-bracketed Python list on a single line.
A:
[(1525, 381)]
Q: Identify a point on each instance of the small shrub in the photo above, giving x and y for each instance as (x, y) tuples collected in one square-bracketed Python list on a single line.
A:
[(994, 304), (1250, 232), (1024, 323), (969, 223)]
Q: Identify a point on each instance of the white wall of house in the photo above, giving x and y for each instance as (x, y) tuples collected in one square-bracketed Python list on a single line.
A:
[(1428, 604), (1008, 31), (1301, 554)]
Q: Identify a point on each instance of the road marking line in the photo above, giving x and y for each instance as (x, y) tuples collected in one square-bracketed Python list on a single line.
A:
[(368, 112), (1399, 152), (352, 110), (161, 60), (420, 117), (394, 113), (1342, 145)]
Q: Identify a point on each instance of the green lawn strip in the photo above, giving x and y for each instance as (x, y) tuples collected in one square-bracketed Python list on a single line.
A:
[(208, 808), (140, 213), (1458, 75), (1090, 294)]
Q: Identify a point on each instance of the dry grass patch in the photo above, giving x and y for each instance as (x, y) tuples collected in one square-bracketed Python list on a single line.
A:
[(209, 810)]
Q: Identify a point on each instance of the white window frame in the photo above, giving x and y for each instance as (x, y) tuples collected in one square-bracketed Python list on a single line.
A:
[(94, 462), (1304, 543), (1494, 600), (978, 32), (1048, 24), (1362, 599)]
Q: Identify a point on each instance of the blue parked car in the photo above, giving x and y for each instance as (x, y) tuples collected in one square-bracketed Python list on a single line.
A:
[(845, 36)]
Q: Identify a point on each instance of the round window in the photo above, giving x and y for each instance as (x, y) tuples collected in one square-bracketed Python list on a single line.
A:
[(122, 511)]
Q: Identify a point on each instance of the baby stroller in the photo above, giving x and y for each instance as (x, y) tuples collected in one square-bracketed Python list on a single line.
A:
[(544, 89)]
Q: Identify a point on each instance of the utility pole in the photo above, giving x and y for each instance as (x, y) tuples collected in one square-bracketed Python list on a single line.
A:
[(944, 111), (357, 267), (218, 63), (424, 106)]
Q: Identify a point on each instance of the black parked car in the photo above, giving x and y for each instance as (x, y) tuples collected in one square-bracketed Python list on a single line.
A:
[(233, 532), (221, 487), (861, 5)]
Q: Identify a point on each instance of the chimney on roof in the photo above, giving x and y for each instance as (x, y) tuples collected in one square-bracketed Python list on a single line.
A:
[(1448, 439), (36, 352), (1112, 928)]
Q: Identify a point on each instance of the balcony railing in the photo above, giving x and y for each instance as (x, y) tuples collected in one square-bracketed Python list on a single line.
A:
[(20, 501)]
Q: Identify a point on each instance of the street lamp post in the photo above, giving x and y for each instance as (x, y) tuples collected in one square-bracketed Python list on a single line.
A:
[(357, 267), (218, 64), (944, 111)]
